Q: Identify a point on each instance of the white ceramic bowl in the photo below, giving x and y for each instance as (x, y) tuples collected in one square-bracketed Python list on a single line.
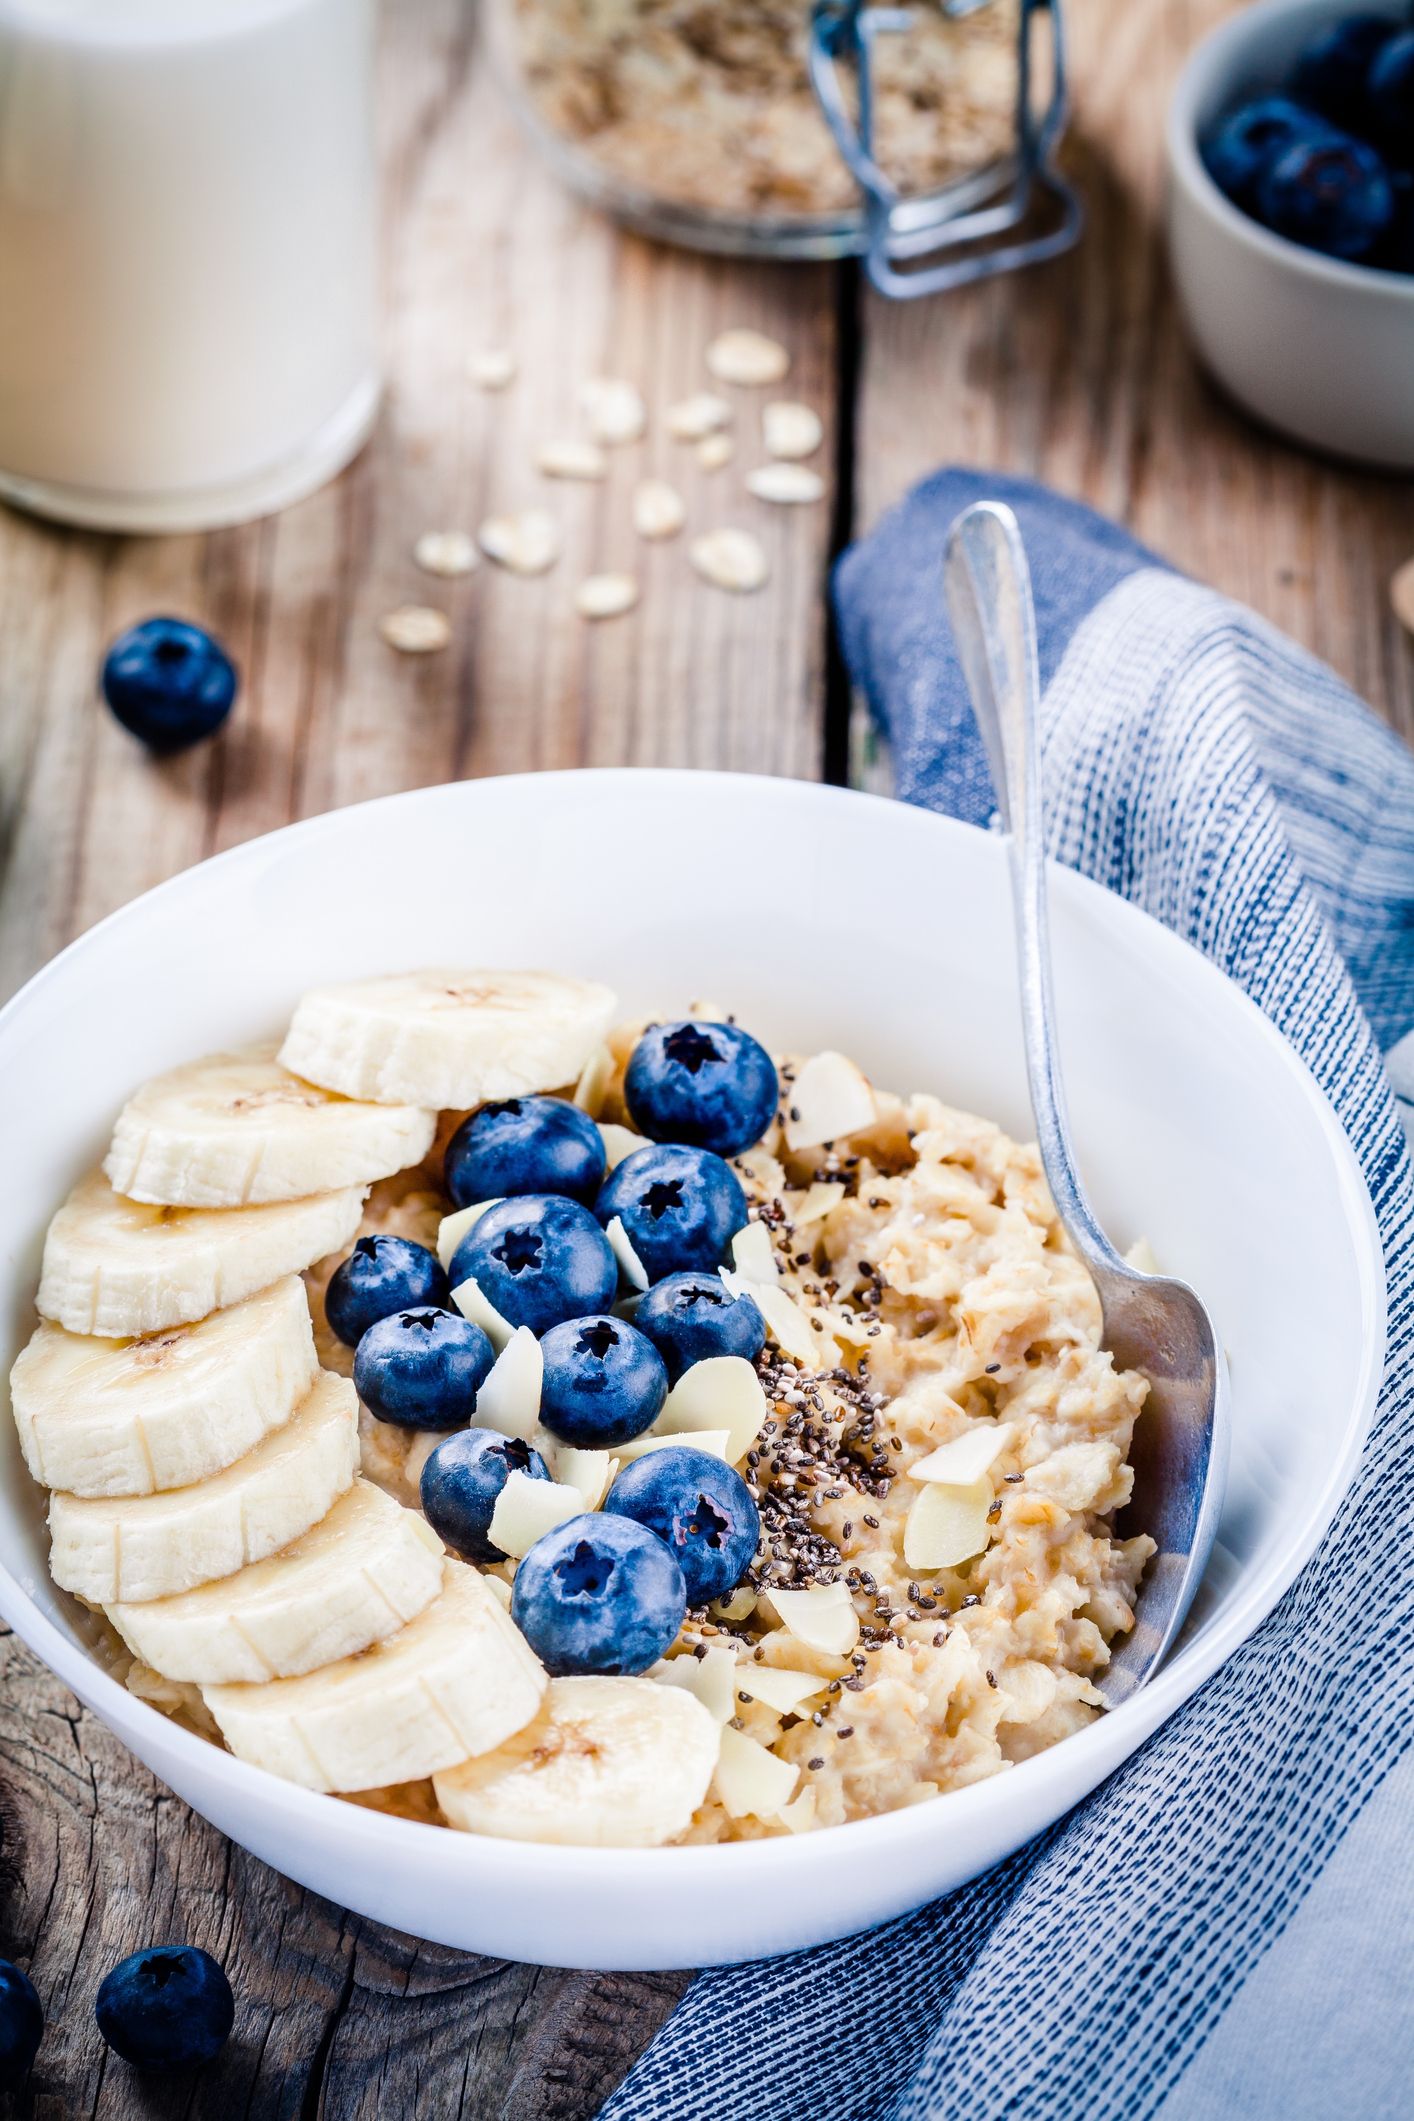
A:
[(1320, 349), (823, 918)]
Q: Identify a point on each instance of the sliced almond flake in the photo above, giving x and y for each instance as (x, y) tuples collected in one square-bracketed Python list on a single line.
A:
[(501, 1591), (594, 1079), (701, 414), (829, 1100), (476, 1306), (720, 1392), (620, 1142), (570, 458), (799, 1814), (790, 1326), (621, 1245), (1141, 1255), (509, 1401), (1401, 595), (712, 1441), (713, 451), (453, 1228), (753, 1254), (747, 357), (415, 629), (750, 1781), (823, 1618), (821, 1199), (528, 543), (947, 1525), (423, 1444), (589, 1471), (493, 368), (789, 485), (740, 1606), (965, 1458), (446, 552), (614, 409), (778, 1688), (790, 430), (659, 510), (709, 1679), (605, 596), (526, 1509), (732, 559)]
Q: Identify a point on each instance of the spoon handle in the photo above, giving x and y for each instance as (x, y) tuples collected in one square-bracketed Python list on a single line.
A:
[(988, 588)]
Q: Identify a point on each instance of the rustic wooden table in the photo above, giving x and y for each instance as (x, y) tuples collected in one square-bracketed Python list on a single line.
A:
[(1077, 373)]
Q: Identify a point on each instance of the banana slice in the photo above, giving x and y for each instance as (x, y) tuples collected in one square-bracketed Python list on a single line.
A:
[(118, 1268), (609, 1763), (131, 1547), (447, 1039), (362, 1573), (236, 1130), (459, 1679), (130, 1417)]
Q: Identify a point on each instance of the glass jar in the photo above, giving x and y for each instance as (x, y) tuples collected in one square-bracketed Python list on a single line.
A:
[(774, 128)]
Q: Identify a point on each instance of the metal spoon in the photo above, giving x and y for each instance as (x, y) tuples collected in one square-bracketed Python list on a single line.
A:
[(1150, 1323)]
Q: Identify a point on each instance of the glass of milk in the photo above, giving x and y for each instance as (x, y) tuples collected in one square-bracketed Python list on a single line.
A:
[(187, 255)]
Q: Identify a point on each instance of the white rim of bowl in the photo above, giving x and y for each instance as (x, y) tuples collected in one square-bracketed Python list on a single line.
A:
[(1151, 1706), (1210, 60)]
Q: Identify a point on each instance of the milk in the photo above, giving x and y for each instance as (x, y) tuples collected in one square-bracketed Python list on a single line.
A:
[(187, 298)]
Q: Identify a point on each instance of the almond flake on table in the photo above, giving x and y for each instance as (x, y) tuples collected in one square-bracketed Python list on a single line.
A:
[(492, 369), (1401, 595), (658, 509), (713, 451), (605, 596), (528, 543), (571, 459), (791, 430), (732, 559), (446, 552), (790, 485), (615, 410), (747, 357), (702, 414), (415, 629)]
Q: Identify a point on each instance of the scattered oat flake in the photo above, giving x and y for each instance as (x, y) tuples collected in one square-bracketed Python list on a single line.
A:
[(527, 544), (696, 416), (571, 459), (415, 629), (446, 552), (605, 596), (658, 509), (1401, 595), (615, 410), (713, 451), (492, 369), (789, 484), (747, 357), (732, 559), (791, 430)]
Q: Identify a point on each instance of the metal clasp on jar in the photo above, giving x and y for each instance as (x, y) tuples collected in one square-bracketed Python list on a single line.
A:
[(968, 227)]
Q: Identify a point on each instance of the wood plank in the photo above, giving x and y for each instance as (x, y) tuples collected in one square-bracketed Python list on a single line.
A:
[(1078, 373)]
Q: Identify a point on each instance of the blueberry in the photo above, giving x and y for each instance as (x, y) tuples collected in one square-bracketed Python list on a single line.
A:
[(1245, 142), (538, 1259), (691, 1316), (1331, 195), (21, 2024), (604, 1383), (709, 1084), (598, 1594), (678, 1205), (461, 1481), (1332, 71), (168, 2007), (1389, 100), (169, 683), (422, 1368), (700, 1508), (525, 1145), (381, 1275)]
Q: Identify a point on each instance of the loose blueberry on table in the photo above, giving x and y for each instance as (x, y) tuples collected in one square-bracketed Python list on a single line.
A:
[(525, 1145), (169, 683), (169, 2007), (599, 1594), (700, 1508), (708, 1084), (382, 1275), (691, 1317), (462, 1481), (604, 1382), (422, 1368), (21, 2024), (538, 1259), (678, 1205)]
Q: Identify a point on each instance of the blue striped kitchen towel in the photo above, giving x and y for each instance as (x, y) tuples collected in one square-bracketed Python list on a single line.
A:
[(1226, 1925)]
